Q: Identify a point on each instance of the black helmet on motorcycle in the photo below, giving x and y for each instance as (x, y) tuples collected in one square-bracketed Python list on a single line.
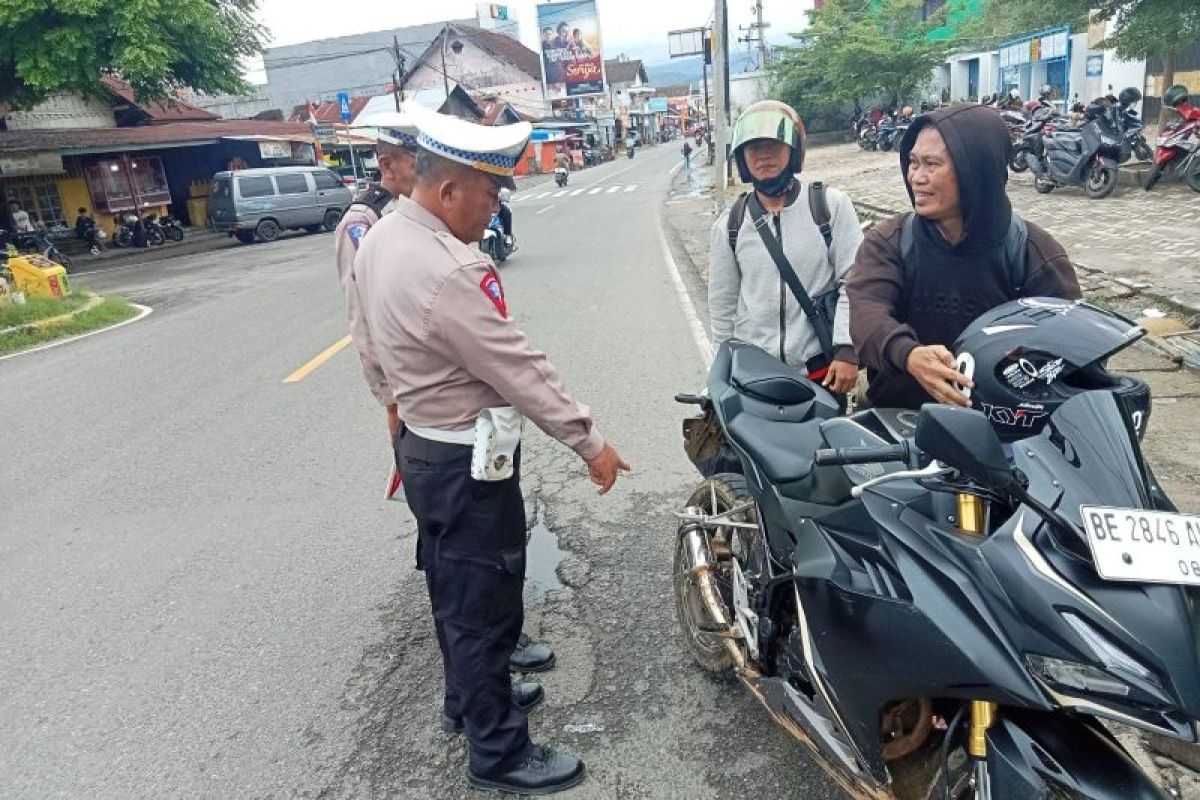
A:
[(1175, 95), (1029, 356), (768, 119), (1128, 96)]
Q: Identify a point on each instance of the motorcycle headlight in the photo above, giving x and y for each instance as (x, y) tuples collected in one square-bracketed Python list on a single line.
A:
[(1111, 680)]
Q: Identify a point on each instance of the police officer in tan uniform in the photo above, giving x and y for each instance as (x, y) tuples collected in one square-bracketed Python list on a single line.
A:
[(396, 149), (463, 376)]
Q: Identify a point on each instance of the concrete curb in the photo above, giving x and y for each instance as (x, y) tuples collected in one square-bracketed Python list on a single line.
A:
[(143, 312)]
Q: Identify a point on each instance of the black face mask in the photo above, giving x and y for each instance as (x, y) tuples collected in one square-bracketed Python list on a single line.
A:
[(777, 186)]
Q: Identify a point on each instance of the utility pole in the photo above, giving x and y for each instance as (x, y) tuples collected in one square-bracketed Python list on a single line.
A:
[(756, 35), (445, 39), (721, 91), (398, 80)]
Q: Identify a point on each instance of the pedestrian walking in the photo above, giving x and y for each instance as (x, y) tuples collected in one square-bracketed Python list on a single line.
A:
[(464, 378), (687, 155), (780, 255)]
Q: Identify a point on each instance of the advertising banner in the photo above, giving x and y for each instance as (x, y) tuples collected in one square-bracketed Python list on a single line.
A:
[(572, 61)]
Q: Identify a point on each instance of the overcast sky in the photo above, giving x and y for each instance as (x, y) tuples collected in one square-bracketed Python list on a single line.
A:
[(635, 27)]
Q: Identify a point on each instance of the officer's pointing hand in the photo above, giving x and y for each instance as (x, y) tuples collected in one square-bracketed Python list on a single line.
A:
[(603, 469)]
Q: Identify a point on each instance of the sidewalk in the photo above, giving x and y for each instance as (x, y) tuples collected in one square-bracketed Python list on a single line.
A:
[(196, 240), (1170, 444)]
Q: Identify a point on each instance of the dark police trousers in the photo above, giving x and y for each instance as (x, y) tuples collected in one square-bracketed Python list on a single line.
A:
[(471, 545)]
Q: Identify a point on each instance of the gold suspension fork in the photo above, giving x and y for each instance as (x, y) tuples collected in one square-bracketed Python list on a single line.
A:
[(972, 514), (983, 714)]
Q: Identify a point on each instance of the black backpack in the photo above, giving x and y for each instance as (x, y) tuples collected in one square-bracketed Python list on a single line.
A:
[(1015, 244)]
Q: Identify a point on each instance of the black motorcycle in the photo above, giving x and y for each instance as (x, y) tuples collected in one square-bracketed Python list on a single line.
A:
[(1089, 156), (934, 613), (1043, 121), (133, 230)]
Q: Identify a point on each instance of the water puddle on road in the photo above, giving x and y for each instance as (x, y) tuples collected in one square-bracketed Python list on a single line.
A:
[(542, 559)]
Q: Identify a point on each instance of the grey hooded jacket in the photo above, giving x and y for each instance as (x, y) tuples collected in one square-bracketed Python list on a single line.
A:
[(747, 298)]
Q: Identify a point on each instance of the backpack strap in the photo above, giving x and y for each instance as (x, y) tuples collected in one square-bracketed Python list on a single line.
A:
[(374, 197), (737, 213), (819, 206), (1015, 244)]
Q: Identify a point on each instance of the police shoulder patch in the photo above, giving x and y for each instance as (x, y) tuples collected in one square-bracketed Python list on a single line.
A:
[(356, 231), (491, 286)]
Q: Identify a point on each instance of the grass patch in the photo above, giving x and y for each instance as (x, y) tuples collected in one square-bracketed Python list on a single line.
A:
[(111, 311), (36, 308)]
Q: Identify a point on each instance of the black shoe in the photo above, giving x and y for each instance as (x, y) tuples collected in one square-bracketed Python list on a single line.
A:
[(543, 771), (526, 694), (530, 656)]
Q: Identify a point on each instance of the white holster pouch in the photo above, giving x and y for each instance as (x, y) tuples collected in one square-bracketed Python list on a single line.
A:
[(497, 436)]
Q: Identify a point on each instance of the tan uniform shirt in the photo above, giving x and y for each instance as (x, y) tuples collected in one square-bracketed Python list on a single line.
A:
[(355, 223), (443, 335)]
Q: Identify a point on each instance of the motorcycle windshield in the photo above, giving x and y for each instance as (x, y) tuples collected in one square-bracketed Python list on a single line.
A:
[(1087, 450)]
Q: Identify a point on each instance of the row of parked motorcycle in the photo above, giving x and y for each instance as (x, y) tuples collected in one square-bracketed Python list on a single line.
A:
[(1083, 148)]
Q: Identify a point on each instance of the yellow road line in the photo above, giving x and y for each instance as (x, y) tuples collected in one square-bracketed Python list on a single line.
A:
[(321, 358)]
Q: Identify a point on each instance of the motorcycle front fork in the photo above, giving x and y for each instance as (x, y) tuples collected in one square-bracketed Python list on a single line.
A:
[(973, 520)]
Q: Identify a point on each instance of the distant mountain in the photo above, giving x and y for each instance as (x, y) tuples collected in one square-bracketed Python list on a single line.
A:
[(687, 70)]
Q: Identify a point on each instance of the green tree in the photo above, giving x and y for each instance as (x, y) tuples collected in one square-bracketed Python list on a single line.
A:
[(1005, 19), (1151, 28), (158, 46), (854, 50)]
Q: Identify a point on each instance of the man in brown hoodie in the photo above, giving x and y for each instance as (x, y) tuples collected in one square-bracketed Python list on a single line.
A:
[(903, 321)]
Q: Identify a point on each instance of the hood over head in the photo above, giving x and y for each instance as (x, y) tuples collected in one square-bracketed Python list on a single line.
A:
[(978, 143)]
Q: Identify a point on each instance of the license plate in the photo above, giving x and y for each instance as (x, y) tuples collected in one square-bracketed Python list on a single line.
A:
[(1133, 544)]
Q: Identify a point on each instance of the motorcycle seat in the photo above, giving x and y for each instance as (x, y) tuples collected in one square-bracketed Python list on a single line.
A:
[(759, 375), (782, 450)]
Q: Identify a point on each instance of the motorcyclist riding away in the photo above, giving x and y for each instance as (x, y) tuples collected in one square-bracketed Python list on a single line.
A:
[(919, 279)]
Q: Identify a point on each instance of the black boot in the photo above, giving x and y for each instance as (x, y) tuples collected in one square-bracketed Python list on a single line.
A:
[(543, 770), (530, 656), (526, 694)]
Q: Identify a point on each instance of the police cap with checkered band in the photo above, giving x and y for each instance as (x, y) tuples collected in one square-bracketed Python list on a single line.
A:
[(493, 150)]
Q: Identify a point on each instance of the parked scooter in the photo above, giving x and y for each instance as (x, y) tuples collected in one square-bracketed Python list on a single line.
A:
[(133, 228), (1178, 144), (943, 604), (1087, 157)]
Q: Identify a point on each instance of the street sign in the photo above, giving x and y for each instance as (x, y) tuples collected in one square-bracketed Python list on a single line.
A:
[(686, 42), (1095, 65), (344, 106), (325, 134)]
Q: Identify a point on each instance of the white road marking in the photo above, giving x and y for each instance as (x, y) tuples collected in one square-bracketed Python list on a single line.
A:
[(547, 208), (699, 336), (597, 190), (631, 187), (576, 192), (612, 189), (144, 311), (540, 196), (560, 193)]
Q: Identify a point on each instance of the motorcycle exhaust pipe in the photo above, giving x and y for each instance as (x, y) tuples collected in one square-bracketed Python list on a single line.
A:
[(703, 568)]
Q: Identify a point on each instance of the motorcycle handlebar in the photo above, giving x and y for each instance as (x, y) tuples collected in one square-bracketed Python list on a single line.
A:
[(862, 455)]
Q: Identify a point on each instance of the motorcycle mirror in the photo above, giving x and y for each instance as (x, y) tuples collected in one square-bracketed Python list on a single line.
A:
[(964, 439)]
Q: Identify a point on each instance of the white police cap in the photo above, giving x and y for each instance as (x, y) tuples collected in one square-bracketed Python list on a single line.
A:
[(394, 127), (494, 150)]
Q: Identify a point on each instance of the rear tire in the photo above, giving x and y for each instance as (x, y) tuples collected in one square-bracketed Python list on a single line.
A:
[(174, 234), (1018, 163), (717, 494), (155, 237), (267, 230), (1100, 183), (1142, 150), (331, 219), (1192, 179), (1043, 185), (1156, 173)]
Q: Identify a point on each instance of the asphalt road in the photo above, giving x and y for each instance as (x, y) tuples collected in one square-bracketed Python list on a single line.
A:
[(203, 593)]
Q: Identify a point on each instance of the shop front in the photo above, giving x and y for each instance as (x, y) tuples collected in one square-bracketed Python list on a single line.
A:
[(1036, 60)]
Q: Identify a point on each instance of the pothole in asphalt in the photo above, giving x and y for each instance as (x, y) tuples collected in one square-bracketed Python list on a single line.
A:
[(542, 559)]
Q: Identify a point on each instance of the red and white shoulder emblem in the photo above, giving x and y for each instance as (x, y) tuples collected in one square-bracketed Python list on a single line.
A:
[(494, 290)]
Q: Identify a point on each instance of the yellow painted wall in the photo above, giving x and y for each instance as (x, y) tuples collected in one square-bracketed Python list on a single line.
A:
[(74, 193)]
